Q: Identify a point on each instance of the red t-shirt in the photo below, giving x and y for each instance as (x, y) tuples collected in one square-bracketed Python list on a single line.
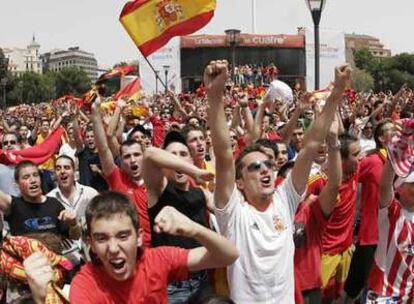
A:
[(158, 131), (121, 182), (370, 176), (339, 231), (272, 135), (316, 183), (310, 224), (154, 270)]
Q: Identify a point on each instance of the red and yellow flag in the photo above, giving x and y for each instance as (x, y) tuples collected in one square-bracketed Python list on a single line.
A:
[(152, 23), (117, 72), (131, 91)]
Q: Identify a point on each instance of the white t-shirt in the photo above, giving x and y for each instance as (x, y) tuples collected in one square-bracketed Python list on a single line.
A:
[(367, 144), (264, 271)]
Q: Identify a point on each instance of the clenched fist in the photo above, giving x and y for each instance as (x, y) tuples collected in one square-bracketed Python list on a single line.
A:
[(215, 77)]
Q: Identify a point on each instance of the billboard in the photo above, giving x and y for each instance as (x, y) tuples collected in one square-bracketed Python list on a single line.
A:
[(169, 55), (332, 54)]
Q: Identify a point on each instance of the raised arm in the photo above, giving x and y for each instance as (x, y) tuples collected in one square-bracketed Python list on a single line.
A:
[(318, 131), (215, 77), (105, 155), (5, 202), (328, 196), (287, 130), (76, 132), (155, 160), (256, 131), (216, 252), (386, 189)]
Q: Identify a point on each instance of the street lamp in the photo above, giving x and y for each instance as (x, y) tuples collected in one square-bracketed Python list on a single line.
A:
[(316, 7), (157, 73), (166, 69), (232, 36)]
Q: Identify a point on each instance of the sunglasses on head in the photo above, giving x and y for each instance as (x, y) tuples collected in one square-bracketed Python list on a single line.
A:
[(257, 165), (9, 142)]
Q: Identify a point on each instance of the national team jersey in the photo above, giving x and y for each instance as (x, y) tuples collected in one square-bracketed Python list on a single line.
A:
[(370, 176), (392, 273), (339, 231)]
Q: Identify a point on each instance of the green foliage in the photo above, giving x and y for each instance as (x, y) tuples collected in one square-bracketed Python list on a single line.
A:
[(72, 80), (30, 87), (362, 81), (3, 65), (388, 73)]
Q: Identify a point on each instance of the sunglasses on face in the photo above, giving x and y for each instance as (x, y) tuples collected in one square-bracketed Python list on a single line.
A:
[(9, 142), (257, 165)]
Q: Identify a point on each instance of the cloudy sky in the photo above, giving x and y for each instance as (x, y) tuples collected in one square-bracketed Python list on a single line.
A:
[(93, 24)]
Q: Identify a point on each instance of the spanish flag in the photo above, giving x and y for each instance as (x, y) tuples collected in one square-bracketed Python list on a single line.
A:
[(131, 91), (119, 71), (152, 23)]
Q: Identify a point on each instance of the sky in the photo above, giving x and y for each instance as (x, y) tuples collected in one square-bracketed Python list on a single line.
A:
[(93, 25)]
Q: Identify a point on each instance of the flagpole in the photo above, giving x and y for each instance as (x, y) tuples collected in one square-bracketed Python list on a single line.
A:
[(253, 16), (156, 74)]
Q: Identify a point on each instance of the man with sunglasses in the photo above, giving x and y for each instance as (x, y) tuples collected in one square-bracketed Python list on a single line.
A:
[(250, 211), (7, 184)]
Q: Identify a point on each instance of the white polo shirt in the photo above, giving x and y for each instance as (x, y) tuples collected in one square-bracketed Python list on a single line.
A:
[(83, 194), (264, 271)]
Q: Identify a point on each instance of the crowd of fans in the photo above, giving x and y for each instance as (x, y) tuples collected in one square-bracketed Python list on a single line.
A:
[(230, 194), (255, 74)]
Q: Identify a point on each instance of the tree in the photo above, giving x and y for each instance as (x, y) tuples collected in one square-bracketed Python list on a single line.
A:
[(364, 60), (73, 81), (362, 80), (30, 87), (3, 64)]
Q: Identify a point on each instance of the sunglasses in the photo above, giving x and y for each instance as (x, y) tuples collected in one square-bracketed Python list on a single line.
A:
[(257, 165), (9, 142)]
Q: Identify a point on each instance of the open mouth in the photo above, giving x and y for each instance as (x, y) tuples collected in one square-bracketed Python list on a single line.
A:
[(64, 178), (266, 181), (179, 174), (34, 187), (117, 264), (134, 167)]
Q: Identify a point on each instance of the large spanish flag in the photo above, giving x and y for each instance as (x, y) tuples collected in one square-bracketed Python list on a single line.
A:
[(152, 23)]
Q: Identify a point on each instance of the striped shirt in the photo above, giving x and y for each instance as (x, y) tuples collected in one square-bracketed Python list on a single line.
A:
[(392, 273)]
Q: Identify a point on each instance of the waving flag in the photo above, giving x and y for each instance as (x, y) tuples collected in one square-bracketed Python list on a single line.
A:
[(401, 149), (152, 23), (131, 90), (117, 72), (37, 154)]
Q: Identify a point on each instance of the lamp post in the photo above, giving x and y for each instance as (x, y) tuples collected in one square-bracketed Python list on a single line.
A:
[(166, 69), (316, 7), (232, 36), (157, 73)]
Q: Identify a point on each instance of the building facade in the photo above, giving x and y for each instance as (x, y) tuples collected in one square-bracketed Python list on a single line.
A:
[(355, 42), (57, 60), (24, 59)]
